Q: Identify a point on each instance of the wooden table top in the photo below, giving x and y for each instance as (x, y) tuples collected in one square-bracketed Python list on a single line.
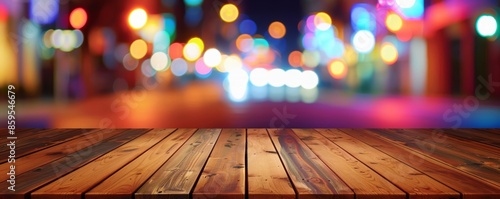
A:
[(253, 163)]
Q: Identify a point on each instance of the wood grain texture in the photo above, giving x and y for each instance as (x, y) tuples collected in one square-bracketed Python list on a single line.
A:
[(53, 153), (26, 148), (224, 173), (123, 183), (309, 175), (177, 177), (484, 136), (468, 185), (46, 139), (46, 173), (476, 158), (415, 183), (73, 185), (267, 179), (365, 182)]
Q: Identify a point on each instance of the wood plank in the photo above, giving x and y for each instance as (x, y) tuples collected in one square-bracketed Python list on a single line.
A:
[(365, 182), (25, 149), (494, 131), (479, 159), (45, 156), (469, 186), (39, 135), (123, 183), (415, 183), (224, 173), (267, 179), (176, 178), (73, 185), (481, 136), (35, 178), (309, 175)]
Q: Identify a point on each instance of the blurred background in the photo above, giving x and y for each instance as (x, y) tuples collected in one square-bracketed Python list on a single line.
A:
[(242, 63)]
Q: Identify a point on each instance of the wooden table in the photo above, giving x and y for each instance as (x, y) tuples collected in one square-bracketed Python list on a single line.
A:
[(254, 163)]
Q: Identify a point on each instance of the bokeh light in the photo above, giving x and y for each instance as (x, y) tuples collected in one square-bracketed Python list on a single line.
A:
[(129, 62), (44, 11), (486, 25), (277, 30), (337, 69), (309, 79), (137, 18), (405, 3), (78, 18), (389, 53), (179, 67), (248, 26), (191, 52), (259, 77), (193, 2), (311, 59), (292, 78), (363, 18), (393, 22), (161, 41), (244, 43), (160, 61), (212, 57), (363, 41), (295, 59), (193, 15), (175, 50), (202, 69), (229, 13), (232, 62), (322, 21), (146, 68), (277, 77), (138, 49)]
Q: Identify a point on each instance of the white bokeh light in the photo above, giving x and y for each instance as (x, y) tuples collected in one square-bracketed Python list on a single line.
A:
[(277, 77), (363, 41), (259, 77), (309, 79)]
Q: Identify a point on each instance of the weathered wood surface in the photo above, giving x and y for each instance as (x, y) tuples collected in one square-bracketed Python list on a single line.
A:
[(177, 177), (309, 175), (224, 174), (267, 179), (255, 164), (124, 183)]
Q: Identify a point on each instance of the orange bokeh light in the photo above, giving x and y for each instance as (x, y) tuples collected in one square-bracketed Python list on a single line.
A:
[(78, 18), (277, 30), (295, 59)]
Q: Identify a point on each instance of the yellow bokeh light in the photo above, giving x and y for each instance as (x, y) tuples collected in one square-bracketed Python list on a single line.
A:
[(193, 49), (138, 49), (277, 30), (137, 18), (322, 21), (229, 13), (198, 42), (337, 69), (393, 22), (389, 53)]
